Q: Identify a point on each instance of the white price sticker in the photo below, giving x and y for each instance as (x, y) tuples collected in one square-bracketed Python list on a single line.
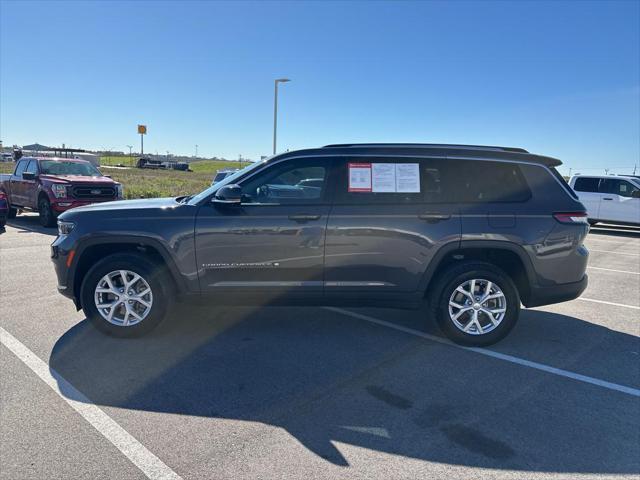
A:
[(407, 178), (383, 176)]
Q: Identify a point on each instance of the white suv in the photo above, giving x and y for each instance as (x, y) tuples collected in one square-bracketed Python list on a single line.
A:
[(609, 199)]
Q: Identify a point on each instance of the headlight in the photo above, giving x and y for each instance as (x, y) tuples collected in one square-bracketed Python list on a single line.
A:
[(65, 228), (119, 191), (59, 190)]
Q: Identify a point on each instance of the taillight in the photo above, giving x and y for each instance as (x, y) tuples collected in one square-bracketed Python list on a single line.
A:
[(571, 217)]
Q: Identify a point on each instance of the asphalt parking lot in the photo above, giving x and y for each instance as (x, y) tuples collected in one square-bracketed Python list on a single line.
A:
[(316, 392)]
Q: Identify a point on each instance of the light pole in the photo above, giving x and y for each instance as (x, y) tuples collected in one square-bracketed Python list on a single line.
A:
[(275, 110), (196, 150), (130, 154)]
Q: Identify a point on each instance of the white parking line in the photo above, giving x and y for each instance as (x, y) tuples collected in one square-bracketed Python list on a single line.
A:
[(608, 303), (142, 458), (490, 353), (613, 270), (613, 242), (613, 251)]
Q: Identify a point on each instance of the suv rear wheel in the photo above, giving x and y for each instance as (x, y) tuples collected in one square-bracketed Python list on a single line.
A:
[(124, 295), (475, 303)]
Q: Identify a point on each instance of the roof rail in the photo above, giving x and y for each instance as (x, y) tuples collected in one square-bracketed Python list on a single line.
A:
[(428, 145)]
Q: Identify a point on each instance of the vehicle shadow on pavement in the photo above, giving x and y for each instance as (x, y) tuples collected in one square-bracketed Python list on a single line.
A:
[(327, 378), (30, 224)]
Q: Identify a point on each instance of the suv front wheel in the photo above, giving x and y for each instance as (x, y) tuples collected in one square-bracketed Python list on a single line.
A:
[(476, 304), (124, 295)]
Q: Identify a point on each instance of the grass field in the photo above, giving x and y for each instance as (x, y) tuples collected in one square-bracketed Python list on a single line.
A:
[(144, 183)]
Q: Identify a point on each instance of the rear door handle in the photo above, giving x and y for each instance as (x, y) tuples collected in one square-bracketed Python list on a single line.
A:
[(434, 217), (607, 198), (303, 218)]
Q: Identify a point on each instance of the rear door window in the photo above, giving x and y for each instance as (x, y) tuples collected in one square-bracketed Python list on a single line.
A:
[(389, 181), (583, 184)]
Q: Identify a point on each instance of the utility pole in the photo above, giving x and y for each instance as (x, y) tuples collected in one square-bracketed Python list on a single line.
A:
[(130, 154), (275, 110), (196, 150)]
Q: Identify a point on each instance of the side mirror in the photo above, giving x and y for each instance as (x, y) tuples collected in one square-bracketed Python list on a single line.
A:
[(228, 195), (28, 175), (635, 194)]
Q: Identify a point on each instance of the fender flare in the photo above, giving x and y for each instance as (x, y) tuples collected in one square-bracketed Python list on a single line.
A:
[(141, 241), (451, 247)]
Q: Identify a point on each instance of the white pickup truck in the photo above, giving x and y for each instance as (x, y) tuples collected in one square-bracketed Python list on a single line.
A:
[(609, 199)]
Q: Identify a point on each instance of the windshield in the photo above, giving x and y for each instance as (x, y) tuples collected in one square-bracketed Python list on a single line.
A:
[(57, 167), (225, 181)]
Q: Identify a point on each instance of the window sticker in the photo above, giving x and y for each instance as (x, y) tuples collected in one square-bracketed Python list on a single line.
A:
[(383, 177), (359, 177), (407, 178)]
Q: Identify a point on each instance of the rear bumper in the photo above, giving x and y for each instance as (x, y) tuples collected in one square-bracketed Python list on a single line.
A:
[(559, 293)]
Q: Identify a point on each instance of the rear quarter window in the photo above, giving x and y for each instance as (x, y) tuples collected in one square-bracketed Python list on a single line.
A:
[(479, 181)]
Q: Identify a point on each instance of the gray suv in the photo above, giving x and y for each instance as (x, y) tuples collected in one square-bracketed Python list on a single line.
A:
[(473, 231)]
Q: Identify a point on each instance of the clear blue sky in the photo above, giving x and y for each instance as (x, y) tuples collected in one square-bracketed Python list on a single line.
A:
[(561, 79)]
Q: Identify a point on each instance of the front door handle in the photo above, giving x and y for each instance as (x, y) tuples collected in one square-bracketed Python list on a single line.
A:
[(303, 218), (607, 198), (434, 217)]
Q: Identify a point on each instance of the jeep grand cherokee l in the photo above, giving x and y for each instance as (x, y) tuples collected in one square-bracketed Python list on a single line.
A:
[(474, 231)]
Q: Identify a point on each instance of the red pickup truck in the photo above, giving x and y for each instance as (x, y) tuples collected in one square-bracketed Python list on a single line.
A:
[(52, 185)]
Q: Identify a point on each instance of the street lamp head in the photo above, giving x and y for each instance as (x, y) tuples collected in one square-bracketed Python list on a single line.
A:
[(282, 80)]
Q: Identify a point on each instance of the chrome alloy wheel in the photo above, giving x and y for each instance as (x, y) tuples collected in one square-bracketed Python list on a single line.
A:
[(477, 306), (123, 298)]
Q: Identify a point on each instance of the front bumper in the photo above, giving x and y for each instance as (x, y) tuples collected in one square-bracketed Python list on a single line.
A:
[(63, 266), (62, 205), (559, 293)]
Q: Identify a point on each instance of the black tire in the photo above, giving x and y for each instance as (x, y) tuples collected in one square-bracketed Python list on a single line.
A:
[(154, 274), (47, 217), (12, 212), (456, 275)]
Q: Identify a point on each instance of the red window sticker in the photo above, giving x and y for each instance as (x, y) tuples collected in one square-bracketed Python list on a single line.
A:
[(359, 177)]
